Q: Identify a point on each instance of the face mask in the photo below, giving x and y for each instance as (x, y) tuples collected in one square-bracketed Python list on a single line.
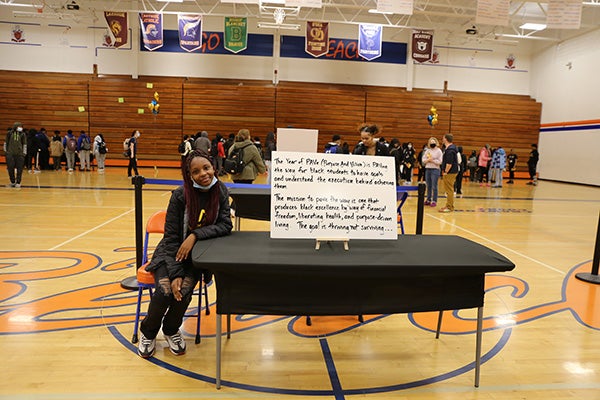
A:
[(432, 145), (137, 134), (410, 146), (197, 186), (20, 129)]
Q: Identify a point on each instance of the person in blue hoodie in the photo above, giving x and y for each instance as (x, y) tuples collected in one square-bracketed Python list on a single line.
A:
[(335, 146), (498, 165)]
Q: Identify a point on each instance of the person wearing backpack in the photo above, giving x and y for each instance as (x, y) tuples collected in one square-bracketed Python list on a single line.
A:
[(56, 150), (84, 147), (15, 148), (70, 145), (100, 151), (250, 161)]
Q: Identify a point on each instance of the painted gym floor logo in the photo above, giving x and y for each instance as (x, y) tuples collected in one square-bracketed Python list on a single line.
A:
[(103, 305)]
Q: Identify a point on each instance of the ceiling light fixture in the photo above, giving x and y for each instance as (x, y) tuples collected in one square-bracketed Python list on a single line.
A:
[(271, 25), (533, 27), (375, 11)]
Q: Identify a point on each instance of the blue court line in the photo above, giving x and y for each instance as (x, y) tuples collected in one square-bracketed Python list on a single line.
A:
[(316, 392), (333, 376)]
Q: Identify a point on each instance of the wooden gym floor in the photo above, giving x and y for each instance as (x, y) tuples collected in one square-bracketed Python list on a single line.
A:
[(67, 241)]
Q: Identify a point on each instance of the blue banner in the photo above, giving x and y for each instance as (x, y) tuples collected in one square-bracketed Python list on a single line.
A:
[(152, 30), (190, 31), (369, 41)]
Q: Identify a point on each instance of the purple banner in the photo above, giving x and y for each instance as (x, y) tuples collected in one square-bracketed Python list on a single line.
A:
[(190, 31), (152, 30), (369, 41)]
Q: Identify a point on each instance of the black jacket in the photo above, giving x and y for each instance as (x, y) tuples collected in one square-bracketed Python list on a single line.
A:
[(380, 149), (176, 231)]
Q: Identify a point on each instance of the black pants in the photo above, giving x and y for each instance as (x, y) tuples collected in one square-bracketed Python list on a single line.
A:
[(532, 168), (15, 162), (132, 166), (458, 182), (163, 307)]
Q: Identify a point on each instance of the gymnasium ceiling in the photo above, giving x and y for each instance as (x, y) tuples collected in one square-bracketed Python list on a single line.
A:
[(450, 19)]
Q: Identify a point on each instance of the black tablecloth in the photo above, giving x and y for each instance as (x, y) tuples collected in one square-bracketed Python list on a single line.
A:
[(258, 275), (251, 203)]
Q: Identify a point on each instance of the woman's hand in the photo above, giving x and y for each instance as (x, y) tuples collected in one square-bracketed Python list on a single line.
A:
[(185, 248), (176, 288)]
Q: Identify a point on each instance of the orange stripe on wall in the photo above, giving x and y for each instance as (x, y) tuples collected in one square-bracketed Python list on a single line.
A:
[(571, 123)]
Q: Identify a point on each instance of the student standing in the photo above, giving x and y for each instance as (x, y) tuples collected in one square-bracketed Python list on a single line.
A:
[(534, 157), (135, 135), (15, 149), (432, 158), (512, 166), (449, 171)]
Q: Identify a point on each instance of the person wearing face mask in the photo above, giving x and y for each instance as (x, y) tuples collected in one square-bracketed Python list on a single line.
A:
[(198, 210), (368, 144), (432, 158), (15, 148), (409, 163), (133, 153)]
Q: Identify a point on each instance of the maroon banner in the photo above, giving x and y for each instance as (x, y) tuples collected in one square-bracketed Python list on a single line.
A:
[(317, 38), (422, 46), (117, 23)]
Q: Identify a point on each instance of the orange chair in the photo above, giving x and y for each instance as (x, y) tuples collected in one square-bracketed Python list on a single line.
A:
[(145, 279)]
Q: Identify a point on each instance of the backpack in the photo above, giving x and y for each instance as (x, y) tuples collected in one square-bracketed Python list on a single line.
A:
[(15, 143), (126, 149), (181, 148), (102, 148), (234, 163), (85, 143), (71, 144), (56, 148)]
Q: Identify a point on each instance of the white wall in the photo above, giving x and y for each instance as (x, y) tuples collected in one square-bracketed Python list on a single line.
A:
[(76, 47), (565, 80)]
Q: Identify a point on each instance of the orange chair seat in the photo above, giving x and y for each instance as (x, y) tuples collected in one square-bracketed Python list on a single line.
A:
[(144, 277)]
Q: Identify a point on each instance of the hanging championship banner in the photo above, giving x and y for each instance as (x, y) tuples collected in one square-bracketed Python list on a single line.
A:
[(190, 31), (317, 38), (152, 30), (369, 41), (422, 46), (235, 34), (117, 24)]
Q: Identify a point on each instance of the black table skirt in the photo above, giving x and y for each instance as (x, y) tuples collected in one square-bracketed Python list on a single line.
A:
[(258, 275)]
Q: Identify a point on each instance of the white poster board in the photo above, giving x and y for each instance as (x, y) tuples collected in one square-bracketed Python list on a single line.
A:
[(333, 196), (302, 140)]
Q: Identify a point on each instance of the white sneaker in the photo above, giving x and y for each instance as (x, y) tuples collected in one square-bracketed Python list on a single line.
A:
[(146, 346), (17, 185), (176, 343)]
